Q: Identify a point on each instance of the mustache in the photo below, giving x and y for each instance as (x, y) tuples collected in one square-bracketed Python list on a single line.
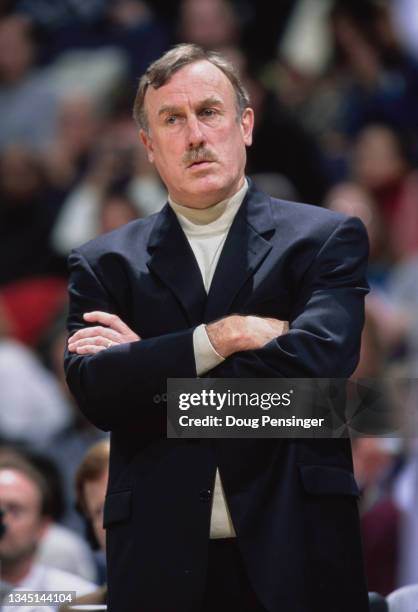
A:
[(198, 155)]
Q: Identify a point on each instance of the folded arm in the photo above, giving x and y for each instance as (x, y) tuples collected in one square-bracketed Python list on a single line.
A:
[(117, 383), (326, 321), (114, 374)]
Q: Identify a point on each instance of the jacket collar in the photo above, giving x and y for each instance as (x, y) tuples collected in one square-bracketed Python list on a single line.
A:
[(246, 246)]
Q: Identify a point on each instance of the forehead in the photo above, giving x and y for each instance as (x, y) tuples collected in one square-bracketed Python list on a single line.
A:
[(189, 85), (16, 486)]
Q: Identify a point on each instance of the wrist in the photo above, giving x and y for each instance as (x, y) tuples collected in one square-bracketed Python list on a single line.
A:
[(223, 335)]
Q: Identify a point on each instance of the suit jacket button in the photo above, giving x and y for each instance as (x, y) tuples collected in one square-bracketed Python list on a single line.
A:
[(204, 495)]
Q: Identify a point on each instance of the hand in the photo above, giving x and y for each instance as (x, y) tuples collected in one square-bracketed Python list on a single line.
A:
[(91, 340), (238, 333)]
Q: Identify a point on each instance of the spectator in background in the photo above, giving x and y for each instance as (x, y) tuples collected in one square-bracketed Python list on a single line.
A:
[(28, 209), (27, 97), (60, 547), (356, 73), (115, 210), (90, 485), (282, 145), (133, 27), (78, 127), (350, 198), (387, 323), (33, 408), (128, 25), (376, 462), (211, 24), (380, 77), (381, 164), (25, 499), (117, 165), (31, 283)]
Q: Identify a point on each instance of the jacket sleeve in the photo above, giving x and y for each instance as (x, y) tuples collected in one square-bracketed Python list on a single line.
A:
[(125, 383), (327, 319)]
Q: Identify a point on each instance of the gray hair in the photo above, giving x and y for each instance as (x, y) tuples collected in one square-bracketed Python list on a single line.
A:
[(161, 71)]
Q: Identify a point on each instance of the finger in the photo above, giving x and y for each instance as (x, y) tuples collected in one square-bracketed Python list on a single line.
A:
[(96, 341), (90, 349), (90, 332), (112, 320)]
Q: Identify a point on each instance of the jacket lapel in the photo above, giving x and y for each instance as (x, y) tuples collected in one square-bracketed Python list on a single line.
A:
[(173, 261), (245, 248)]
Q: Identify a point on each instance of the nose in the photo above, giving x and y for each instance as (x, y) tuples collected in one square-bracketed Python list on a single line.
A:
[(195, 135)]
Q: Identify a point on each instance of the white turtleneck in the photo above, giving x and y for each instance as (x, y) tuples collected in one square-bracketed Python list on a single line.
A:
[(206, 230)]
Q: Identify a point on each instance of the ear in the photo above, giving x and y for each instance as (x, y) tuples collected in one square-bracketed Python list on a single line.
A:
[(247, 125), (147, 142)]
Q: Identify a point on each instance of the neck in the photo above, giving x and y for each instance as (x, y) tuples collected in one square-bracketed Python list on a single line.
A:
[(204, 216)]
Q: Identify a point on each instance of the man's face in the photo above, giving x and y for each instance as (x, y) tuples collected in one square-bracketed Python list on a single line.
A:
[(195, 137), (20, 499), (94, 495)]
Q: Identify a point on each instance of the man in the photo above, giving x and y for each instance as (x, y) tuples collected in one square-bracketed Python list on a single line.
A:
[(24, 499), (249, 525), (90, 485)]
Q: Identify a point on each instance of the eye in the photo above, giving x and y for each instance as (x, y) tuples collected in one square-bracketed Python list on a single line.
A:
[(208, 112), (171, 119)]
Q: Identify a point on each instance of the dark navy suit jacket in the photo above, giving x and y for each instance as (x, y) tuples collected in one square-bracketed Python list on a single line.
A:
[(293, 502)]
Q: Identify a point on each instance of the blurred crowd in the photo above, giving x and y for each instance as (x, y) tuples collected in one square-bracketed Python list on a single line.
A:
[(334, 85)]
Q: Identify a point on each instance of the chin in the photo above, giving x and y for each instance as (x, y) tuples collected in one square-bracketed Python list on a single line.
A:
[(212, 186)]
